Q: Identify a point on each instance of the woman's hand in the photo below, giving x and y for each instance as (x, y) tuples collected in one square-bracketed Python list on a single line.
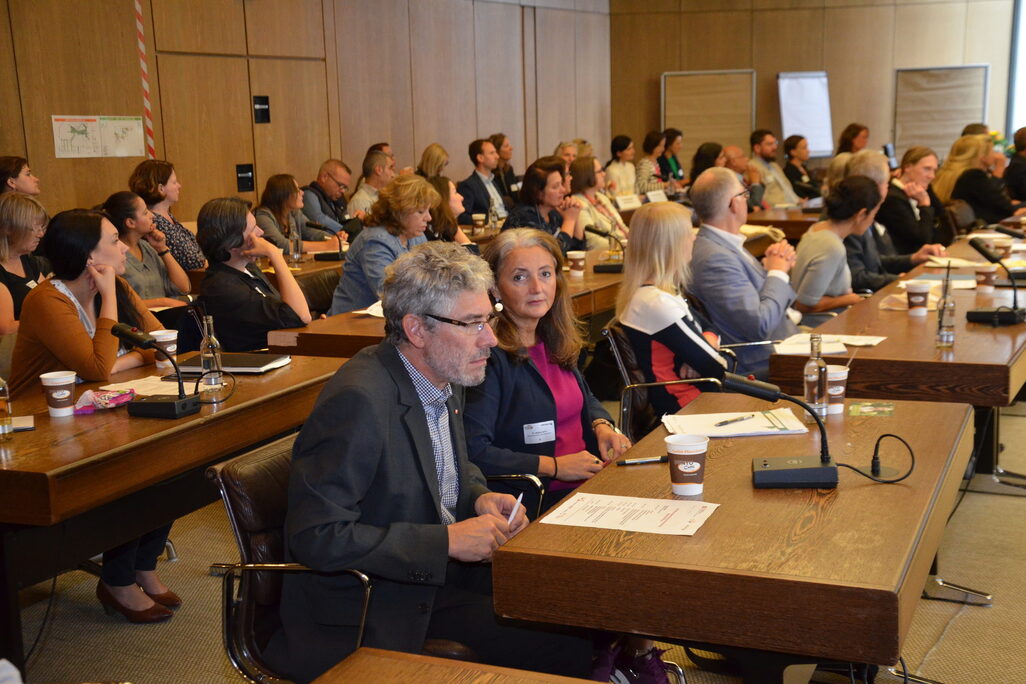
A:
[(103, 277), (258, 247), (611, 443), (157, 239), (918, 193), (570, 209), (577, 467)]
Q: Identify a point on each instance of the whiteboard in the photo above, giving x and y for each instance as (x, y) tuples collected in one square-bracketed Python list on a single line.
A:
[(805, 109)]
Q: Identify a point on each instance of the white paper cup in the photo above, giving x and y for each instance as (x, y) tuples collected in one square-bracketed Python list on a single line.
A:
[(168, 341), (985, 277), (837, 383), (59, 389), (1003, 246), (686, 456), (576, 260), (918, 292)]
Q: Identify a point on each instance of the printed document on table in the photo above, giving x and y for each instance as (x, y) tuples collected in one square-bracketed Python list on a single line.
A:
[(803, 339), (781, 421), (631, 514)]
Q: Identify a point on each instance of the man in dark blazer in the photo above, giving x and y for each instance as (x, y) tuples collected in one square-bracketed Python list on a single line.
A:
[(1015, 174), (381, 483), (479, 189)]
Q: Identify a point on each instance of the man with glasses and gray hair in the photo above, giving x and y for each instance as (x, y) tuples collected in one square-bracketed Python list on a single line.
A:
[(747, 301), (380, 482)]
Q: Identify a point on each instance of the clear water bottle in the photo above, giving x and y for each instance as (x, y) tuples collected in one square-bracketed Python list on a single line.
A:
[(210, 355), (295, 246), (6, 411), (493, 215), (946, 322), (816, 377)]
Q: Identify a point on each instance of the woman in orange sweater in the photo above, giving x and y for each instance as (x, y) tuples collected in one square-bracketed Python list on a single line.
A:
[(66, 321), (66, 325)]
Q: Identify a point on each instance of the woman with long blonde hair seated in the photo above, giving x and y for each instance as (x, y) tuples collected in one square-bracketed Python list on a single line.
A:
[(670, 339), (964, 176)]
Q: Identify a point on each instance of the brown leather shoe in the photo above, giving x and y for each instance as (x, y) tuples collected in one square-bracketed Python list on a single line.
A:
[(154, 613), (168, 599)]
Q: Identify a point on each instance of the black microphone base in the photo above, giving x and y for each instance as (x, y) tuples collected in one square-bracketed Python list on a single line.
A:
[(793, 472), (608, 267), (996, 317), (328, 256), (164, 406)]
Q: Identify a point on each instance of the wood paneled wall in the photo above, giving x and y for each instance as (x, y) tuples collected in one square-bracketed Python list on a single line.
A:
[(858, 42), (340, 74)]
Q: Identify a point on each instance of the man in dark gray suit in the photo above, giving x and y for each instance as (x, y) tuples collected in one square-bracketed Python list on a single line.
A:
[(746, 301), (380, 482)]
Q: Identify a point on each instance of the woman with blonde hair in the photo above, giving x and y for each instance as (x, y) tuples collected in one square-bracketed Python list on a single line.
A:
[(964, 176), (396, 224), (22, 224), (433, 161), (670, 339)]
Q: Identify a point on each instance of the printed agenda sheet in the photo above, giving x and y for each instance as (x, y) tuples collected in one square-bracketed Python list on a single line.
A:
[(631, 514)]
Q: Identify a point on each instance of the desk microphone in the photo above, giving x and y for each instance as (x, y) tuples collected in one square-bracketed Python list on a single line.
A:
[(332, 256), (1005, 230), (613, 267), (1001, 315), (158, 405)]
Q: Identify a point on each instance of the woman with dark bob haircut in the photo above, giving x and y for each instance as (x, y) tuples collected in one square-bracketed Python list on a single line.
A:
[(157, 183), (244, 304), (544, 204), (707, 155)]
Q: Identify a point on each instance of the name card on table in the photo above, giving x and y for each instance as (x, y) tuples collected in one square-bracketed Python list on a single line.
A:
[(656, 196), (626, 202)]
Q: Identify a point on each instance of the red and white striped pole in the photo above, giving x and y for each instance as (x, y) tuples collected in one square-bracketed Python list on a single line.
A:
[(140, 33)]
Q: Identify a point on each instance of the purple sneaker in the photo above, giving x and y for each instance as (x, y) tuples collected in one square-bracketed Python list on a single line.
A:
[(645, 668), (604, 669)]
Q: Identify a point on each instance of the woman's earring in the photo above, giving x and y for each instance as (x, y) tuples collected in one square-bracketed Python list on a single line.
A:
[(498, 306)]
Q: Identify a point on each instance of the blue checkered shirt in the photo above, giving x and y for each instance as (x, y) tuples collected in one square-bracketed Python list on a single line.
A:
[(437, 413)]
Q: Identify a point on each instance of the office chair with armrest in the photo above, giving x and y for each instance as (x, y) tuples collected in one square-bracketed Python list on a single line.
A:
[(254, 488)]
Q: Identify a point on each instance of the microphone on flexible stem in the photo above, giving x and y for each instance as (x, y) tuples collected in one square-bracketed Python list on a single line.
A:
[(158, 405), (611, 267), (1005, 230), (1001, 315), (785, 472), (603, 233)]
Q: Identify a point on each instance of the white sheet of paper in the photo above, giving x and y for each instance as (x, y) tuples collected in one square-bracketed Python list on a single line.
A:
[(960, 284), (850, 340), (942, 262), (153, 385), (373, 310), (781, 421), (805, 348), (631, 514)]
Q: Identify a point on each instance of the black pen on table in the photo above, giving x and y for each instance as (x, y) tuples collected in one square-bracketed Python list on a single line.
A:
[(733, 420)]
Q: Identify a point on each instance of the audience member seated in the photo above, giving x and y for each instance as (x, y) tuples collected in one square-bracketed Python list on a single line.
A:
[(479, 189), (764, 159), (1015, 174), (821, 276), (707, 155), (380, 482), (648, 177), (16, 176), (976, 129), (66, 321), (836, 170), (22, 225), (853, 138), (996, 159), (910, 210), (964, 175), (157, 183), (280, 215), (532, 378), (443, 224), (746, 301), (796, 149), (433, 161), (620, 174), (670, 167), (544, 205), (736, 161), (324, 200), (396, 224), (378, 172), (244, 304), (587, 183), (567, 151), (670, 340), (505, 177), (872, 258), (584, 148), (150, 268)]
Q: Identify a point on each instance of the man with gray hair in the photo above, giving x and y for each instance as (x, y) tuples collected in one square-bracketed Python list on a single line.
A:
[(378, 171), (380, 482), (746, 301), (872, 258)]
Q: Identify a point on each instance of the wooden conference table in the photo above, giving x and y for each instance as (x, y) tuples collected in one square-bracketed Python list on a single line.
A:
[(985, 368), (76, 486), (794, 222), (345, 334), (827, 574)]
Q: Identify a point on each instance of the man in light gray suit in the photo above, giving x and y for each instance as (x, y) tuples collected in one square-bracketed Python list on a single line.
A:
[(746, 301)]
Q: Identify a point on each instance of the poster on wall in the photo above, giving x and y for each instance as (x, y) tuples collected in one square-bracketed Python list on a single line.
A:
[(76, 136), (86, 135)]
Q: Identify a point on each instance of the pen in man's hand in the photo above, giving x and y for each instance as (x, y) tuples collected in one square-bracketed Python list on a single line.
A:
[(516, 508), (733, 420)]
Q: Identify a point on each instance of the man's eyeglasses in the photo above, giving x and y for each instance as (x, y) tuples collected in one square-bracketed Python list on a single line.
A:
[(341, 186), (746, 193), (470, 327)]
